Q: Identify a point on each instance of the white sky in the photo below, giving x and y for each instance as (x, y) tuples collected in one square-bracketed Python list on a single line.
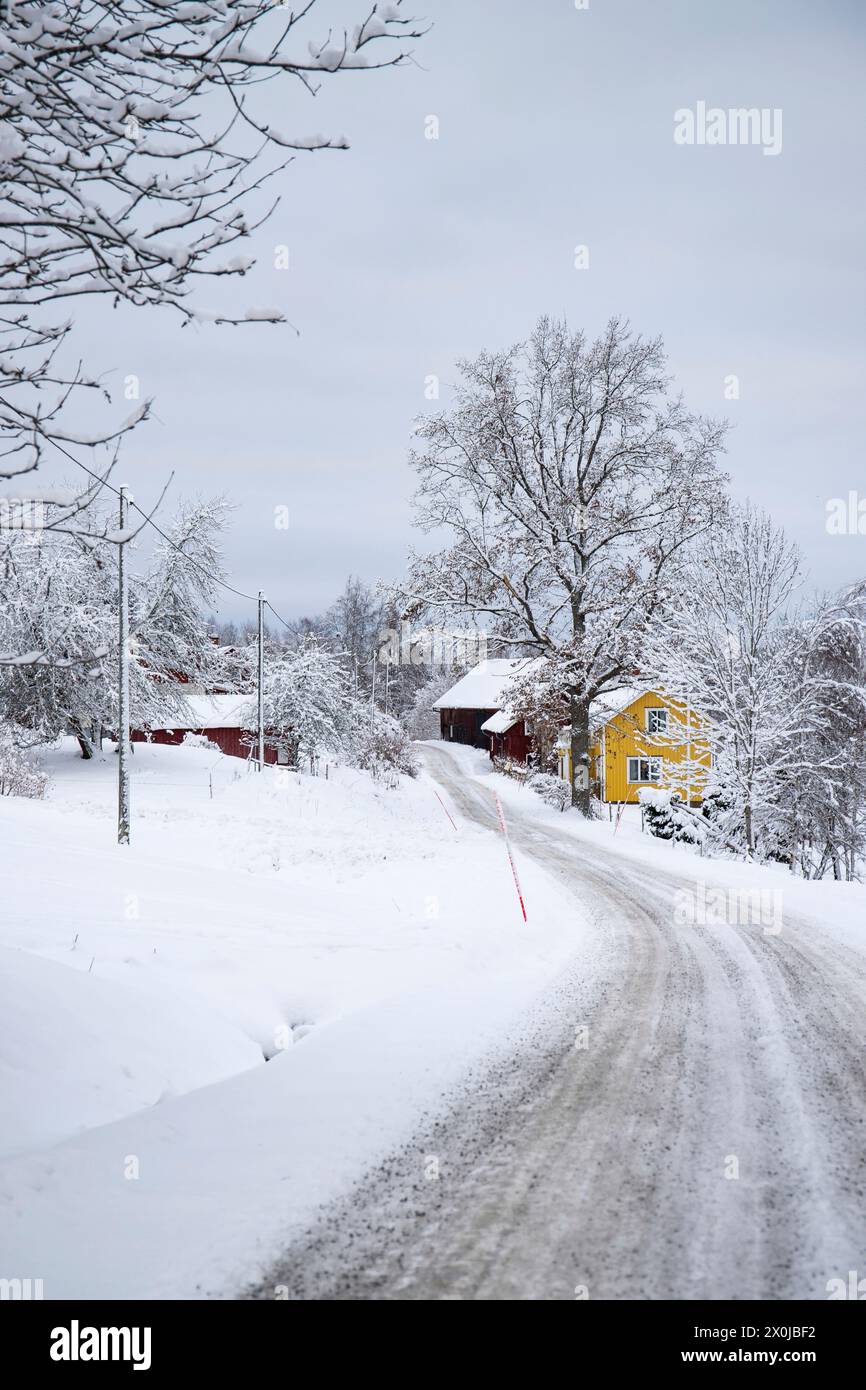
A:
[(556, 129)]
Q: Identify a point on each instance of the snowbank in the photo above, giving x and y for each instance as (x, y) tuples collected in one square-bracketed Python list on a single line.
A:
[(77, 1051), (346, 931)]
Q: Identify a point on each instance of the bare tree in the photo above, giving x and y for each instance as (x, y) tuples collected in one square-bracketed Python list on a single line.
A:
[(571, 480), (823, 796), (726, 643), (353, 624), (132, 141), (58, 606)]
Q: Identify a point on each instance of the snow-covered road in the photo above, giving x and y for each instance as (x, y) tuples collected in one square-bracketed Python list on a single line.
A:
[(693, 1127)]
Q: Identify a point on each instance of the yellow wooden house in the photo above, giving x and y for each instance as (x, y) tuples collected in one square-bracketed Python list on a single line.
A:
[(642, 738)]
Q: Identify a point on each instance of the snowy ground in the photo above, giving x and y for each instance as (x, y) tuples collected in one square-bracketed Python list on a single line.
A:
[(343, 930), (839, 908), (429, 1124), (685, 1122)]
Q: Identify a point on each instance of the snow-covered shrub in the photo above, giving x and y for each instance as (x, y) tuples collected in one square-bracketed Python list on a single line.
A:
[(552, 790), (666, 817), (19, 774), (191, 740), (775, 841), (511, 767), (722, 820), (382, 750)]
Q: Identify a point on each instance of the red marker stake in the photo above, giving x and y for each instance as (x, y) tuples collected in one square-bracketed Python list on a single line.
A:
[(510, 856), (444, 807)]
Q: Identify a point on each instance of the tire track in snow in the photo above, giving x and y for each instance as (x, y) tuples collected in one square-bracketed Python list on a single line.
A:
[(604, 1167)]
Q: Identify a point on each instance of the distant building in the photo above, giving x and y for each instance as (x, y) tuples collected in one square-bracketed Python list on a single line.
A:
[(509, 737), (638, 736), (465, 711), (641, 738), (219, 718)]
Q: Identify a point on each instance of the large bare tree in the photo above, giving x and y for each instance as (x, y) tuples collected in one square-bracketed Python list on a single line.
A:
[(570, 479)]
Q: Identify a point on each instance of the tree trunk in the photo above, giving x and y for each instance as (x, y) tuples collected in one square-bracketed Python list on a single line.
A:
[(580, 796), (84, 741)]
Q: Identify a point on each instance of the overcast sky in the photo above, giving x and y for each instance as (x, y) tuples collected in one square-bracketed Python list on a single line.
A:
[(556, 129)]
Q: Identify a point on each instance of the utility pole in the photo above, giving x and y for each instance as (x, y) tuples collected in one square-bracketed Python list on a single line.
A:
[(261, 677), (123, 683)]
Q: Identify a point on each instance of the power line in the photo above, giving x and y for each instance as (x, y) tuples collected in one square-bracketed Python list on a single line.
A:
[(223, 584), (123, 732), (197, 563), (286, 625)]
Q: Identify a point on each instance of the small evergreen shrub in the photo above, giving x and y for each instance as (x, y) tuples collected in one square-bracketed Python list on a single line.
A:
[(666, 817)]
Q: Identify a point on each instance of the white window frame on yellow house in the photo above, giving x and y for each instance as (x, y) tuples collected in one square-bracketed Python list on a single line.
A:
[(651, 762), (655, 710)]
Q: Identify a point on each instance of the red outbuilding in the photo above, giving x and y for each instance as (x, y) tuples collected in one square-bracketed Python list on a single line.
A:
[(220, 719), (472, 711), (508, 736)]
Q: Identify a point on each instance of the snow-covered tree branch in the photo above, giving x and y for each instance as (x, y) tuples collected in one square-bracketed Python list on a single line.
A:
[(725, 644), (132, 140), (572, 482), (305, 702), (58, 628)]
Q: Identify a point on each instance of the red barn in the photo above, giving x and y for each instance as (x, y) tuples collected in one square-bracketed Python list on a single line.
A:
[(472, 710), (220, 719)]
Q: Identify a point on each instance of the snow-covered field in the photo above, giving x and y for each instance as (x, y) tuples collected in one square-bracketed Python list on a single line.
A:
[(345, 931)]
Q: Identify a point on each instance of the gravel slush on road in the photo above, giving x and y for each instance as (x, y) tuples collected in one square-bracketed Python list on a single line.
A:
[(689, 1124)]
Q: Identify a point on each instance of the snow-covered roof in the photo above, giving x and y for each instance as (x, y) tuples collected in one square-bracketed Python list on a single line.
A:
[(214, 712), (605, 708), (499, 723), (609, 705), (483, 686)]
